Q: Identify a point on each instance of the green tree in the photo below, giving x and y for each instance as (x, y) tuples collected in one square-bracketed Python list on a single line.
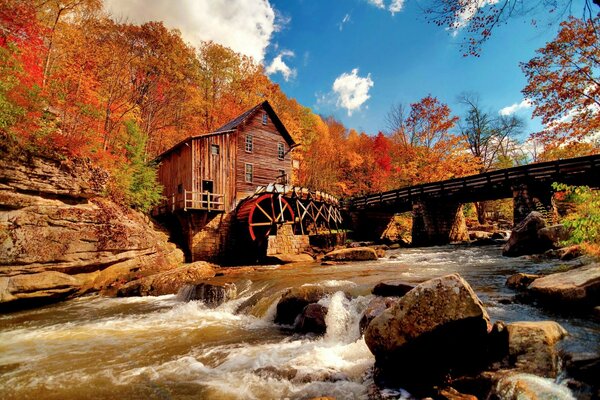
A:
[(136, 182)]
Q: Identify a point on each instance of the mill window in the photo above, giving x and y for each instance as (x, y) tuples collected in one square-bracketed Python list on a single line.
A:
[(214, 149), (264, 118), (249, 143), (280, 151), (249, 172)]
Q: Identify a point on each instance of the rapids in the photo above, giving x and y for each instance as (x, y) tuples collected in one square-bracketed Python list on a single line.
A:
[(164, 348)]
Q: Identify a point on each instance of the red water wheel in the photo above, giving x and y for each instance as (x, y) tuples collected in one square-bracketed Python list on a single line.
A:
[(264, 213)]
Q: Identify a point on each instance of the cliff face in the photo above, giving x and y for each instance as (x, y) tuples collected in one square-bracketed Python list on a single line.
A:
[(60, 238)]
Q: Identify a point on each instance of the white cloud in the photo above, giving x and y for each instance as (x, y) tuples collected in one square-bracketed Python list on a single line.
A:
[(246, 26), (509, 110), (396, 6), (278, 65), (393, 7), (345, 20), (352, 90), (377, 3)]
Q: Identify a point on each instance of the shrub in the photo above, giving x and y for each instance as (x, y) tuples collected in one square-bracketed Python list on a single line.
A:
[(584, 219)]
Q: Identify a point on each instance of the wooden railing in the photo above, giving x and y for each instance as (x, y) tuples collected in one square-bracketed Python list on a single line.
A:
[(580, 170), (202, 201)]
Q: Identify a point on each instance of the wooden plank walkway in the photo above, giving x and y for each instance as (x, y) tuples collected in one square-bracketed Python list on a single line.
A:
[(491, 185)]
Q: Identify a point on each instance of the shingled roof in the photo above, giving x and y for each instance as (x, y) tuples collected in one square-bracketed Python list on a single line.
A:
[(237, 122)]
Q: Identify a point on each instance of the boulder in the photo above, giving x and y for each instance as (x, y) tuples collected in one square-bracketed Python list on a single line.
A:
[(554, 234), (520, 280), (392, 288), (352, 254), (294, 300), (577, 286), (375, 308), (519, 386), (438, 327), (168, 282), (312, 319), (524, 238), (479, 235), (531, 346), (33, 289), (212, 294)]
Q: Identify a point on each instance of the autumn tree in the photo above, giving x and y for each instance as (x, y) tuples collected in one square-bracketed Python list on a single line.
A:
[(489, 138), (564, 87), (481, 17), (22, 51), (426, 149)]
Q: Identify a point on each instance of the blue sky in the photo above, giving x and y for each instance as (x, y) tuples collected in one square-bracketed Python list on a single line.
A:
[(405, 57), (354, 59)]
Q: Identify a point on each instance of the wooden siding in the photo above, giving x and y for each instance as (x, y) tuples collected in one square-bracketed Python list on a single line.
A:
[(174, 170), (216, 168), (264, 155)]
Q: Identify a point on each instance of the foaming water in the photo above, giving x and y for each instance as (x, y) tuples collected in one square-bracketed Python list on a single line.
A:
[(161, 347)]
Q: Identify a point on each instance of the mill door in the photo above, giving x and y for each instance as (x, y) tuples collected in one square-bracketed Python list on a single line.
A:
[(207, 190)]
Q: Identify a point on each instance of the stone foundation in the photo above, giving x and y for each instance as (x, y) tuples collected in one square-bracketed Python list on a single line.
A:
[(210, 237), (285, 242)]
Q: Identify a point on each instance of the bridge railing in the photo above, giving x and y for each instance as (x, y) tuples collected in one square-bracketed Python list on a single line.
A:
[(559, 169)]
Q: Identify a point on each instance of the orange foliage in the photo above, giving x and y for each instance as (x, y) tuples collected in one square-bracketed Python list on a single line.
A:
[(70, 99), (564, 87)]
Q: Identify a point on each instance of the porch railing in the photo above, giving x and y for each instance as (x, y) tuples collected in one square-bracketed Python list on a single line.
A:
[(188, 200)]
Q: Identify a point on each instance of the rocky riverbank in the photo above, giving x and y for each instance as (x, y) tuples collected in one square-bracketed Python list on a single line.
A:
[(61, 238)]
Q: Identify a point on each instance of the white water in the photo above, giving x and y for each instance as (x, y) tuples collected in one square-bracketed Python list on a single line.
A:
[(160, 347)]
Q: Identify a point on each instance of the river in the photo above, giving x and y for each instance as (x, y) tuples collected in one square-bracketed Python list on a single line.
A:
[(164, 348)]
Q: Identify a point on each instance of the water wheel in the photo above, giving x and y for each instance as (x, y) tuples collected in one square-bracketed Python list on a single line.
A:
[(263, 213)]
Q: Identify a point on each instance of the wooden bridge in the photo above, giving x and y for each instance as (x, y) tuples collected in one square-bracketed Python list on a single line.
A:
[(434, 203)]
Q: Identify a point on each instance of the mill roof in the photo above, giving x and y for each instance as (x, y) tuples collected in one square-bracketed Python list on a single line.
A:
[(236, 123)]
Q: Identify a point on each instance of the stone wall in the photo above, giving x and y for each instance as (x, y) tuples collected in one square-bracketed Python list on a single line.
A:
[(211, 237), (285, 242)]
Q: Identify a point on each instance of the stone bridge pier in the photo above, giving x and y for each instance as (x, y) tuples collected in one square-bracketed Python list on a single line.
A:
[(368, 224), (528, 197), (438, 222)]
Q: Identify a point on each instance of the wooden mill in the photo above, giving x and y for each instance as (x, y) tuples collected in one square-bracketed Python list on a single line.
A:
[(228, 188)]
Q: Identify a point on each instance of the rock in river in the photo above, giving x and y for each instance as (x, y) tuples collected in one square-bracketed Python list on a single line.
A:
[(294, 300), (352, 254), (212, 294), (437, 327), (521, 280), (524, 238), (577, 286), (168, 282), (312, 319), (375, 308), (531, 346)]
